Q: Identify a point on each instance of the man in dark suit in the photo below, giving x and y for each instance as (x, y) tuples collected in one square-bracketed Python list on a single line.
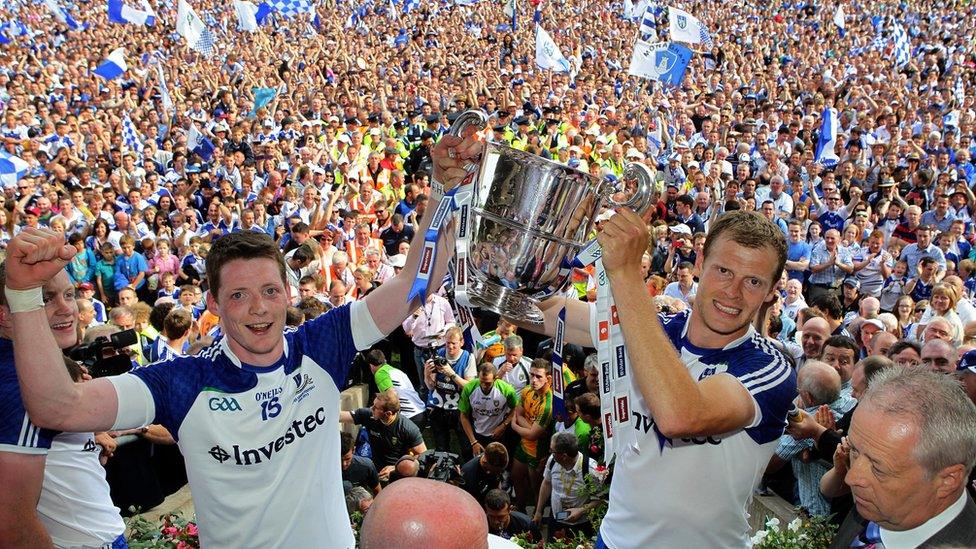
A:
[(912, 447)]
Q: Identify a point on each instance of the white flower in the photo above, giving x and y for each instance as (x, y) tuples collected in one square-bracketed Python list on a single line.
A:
[(759, 537), (795, 524), (773, 524)]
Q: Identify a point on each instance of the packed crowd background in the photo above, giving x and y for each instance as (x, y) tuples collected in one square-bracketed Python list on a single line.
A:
[(336, 168)]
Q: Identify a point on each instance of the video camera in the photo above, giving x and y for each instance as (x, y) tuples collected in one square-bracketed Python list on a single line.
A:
[(441, 466), (105, 356)]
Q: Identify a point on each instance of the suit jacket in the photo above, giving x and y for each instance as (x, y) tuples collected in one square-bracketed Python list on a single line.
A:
[(961, 532)]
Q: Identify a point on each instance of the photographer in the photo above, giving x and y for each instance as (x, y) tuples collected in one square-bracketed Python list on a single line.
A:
[(445, 375)]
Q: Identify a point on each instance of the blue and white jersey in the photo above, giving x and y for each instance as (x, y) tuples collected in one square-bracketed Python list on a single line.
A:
[(261, 444), (17, 433), (694, 492)]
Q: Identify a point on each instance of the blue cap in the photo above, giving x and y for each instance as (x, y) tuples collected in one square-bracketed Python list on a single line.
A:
[(967, 362)]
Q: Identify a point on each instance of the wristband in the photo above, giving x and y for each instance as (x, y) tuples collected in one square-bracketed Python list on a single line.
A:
[(22, 301), (473, 444)]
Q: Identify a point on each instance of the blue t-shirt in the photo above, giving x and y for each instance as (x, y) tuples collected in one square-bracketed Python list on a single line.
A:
[(127, 268), (797, 251)]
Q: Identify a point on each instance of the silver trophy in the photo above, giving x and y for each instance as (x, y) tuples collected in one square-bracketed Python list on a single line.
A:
[(529, 218)]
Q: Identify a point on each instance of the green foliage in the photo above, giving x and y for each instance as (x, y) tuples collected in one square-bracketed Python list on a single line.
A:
[(173, 530)]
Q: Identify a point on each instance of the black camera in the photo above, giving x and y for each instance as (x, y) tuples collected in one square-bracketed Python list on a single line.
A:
[(439, 361), (105, 356), (441, 466)]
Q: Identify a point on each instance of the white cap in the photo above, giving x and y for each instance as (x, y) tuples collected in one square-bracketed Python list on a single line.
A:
[(398, 261)]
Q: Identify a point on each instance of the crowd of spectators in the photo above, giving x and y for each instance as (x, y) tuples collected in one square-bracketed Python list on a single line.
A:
[(336, 168)]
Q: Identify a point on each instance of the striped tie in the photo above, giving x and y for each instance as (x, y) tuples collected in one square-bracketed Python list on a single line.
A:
[(870, 538)]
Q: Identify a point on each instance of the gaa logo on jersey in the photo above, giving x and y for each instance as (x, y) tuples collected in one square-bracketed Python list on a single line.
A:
[(225, 404)]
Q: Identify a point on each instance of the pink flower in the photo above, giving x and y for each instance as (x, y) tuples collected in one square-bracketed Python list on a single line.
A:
[(183, 545), (191, 529), (171, 531)]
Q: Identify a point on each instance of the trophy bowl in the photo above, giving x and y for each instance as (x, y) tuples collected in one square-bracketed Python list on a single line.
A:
[(529, 219)]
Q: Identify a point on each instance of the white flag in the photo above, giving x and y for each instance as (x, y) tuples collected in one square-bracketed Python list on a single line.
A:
[(685, 27), (839, 17), (642, 61), (547, 54), (246, 15), (189, 24)]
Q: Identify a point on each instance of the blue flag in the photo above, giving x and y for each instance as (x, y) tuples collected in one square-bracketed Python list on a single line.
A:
[(199, 144), (827, 142), (114, 65), (262, 96)]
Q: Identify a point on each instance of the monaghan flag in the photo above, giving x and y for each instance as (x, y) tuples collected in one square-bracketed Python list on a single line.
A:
[(685, 27), (130, 137), (839, 20), (191, 27), (163, 90), (12, 169), (902, 46), (648, 25), (246, 15), (119, 12), (114, 65), (547, 54), (199, 144), (290, 8), (663, 61), (62, 14), (825, 153)]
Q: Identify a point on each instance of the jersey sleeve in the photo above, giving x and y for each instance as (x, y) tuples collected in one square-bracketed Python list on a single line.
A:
[(383, 380), (361, 415), (17, 433), (464, 402), (411, 434), (172, 386), (771, 381), (328, 340)]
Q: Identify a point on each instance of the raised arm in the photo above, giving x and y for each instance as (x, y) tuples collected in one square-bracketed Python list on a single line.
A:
[(52, 399), (388, 304)]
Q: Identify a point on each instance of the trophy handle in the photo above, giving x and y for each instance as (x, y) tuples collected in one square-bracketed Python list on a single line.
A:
[(468, 118), (641, 200)]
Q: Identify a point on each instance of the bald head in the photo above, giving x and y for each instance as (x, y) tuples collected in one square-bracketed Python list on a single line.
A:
[(818, 383), (417, 512), (870, 307)]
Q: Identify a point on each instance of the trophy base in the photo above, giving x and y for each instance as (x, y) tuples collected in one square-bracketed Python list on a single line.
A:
[(506, 302)]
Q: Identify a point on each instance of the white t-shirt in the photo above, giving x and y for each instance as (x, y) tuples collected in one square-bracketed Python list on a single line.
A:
[(75, 506), (261, 444), (695, 492), (517, 377), (567, 484)]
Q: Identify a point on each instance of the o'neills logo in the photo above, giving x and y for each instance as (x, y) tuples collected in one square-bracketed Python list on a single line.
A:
[(425, 260)]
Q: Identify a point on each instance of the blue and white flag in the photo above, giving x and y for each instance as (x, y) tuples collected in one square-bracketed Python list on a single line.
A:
[(664, 62), (410, 5), (198, 143), (648, 25), (290, 8), (130, 136), (114, 65), (959, 91), (12, 169), (61, 14), (263, 14), (193, 30), (902, 46), (685, 27), (825, 153), (547, 54), (164, 96), (246, 15), (511, 12), (839, 20), (119, 12)]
